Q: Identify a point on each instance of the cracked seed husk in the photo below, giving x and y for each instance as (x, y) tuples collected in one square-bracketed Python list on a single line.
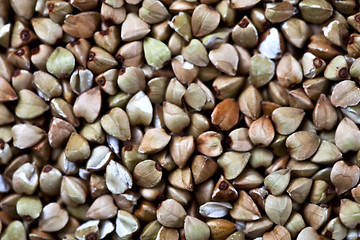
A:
[(181, 24), (81, 80), (99, 158), (89, 229), (126, 224), (118, 178), (184, 71), (139, 109), (312, 65)]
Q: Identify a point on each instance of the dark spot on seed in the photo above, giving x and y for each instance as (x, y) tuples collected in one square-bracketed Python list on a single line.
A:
[(51, 7), (16, 72), (19, 52), (147, 89), (357, 18), (104, 32), (317, 62), (77, 42), (328, 234), (351, 40), (101, 81), (2, 144), (109, 22), (91, 56), (92, 236), (344, 72), (158, 166), (120, 58), (216, 92), (267, 25), (47, 168), (122, 71), (167, 62), (228, 141), (25, 35), (349, 163), (223, 185), (329, 191), (27, 218), (35, 50), (244, 23), (129, 147)]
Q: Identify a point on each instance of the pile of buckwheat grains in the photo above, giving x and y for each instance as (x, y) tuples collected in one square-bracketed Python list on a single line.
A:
[(179, 119)]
